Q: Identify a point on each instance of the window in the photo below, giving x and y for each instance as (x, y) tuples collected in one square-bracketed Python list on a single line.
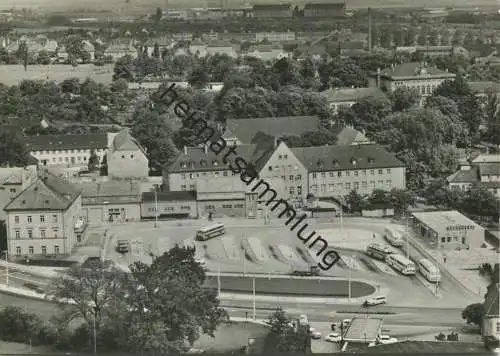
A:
[(192, 187), (314, 175), (314, 188), (372, 184), (323, 188), (372, 172), (16, 219), (339, 174), (12, 190), (183, 175), (388, 182), (348, 186), (323, 174), (270, 168), (331, 187), (388, 171), (332, 174), (364, 185), (31, 250), (285, 156), (18, 234), (30, 233), (291, 177), (348, 174), (498, 327), (183, 187), (42, 218), (443, 239), (54, 218), (44, 250), (291, 190), (29, 219), (224, 173), (380, 171), (42, 233), (283, 177), (364, 172), (18, 251), (355, 173), (356, 185), (299, 190), (380, 182), (185, 208), (55, 231), (298, 177)]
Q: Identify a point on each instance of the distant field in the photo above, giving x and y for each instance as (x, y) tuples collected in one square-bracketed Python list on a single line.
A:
[(136, 6), (14, 74)]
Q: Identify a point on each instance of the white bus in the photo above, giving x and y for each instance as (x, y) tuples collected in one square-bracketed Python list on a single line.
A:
[(211, 231), (429, 270), (401, 263), (394, 237), (378, 251)]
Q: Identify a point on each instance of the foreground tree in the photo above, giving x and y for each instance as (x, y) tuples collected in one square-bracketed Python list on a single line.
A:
[(165, 306), (287, 336), (13, 149), (473, 313)]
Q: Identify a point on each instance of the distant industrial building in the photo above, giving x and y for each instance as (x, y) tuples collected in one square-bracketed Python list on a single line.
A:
[(331, 9)]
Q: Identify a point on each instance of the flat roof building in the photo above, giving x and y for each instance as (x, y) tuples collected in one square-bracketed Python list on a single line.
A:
[(448, 229)]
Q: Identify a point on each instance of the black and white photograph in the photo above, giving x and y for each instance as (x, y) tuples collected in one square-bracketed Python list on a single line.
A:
[(249, 177)]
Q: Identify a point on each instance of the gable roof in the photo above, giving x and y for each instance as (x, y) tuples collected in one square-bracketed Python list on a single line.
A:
[(412, 70), (337, 158), (464, 176), (489, 168), (47, 192), (67, 142), (123, 141), (351, 94), (11, 175), (246, 129), (347, 136)]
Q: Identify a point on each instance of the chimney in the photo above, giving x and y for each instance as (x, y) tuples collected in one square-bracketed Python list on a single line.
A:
[(369, 30), (185, 150)]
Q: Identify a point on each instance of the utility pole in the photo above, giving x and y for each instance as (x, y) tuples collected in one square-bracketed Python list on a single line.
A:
[(253, 287), (156, 206), (218, 282)]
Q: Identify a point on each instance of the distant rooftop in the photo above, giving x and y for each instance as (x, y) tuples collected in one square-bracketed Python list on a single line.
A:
[(439, 221)]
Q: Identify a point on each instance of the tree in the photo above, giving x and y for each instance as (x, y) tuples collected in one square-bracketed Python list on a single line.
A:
[(93, 162), (287, 336), (158, 15), (401, 200), (353, 201), (199, 77), (43, 57), (124, 68), (473, 314), (404, 98), (103, 171), (165, 304), (492, 117), (13, 147), (156, 50), (367, 114)]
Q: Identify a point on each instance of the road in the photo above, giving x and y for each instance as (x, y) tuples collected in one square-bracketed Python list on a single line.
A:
[(22, 279), (449, 317)]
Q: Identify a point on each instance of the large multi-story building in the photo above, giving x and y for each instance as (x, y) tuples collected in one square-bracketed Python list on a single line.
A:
[(41, 220), (67, 150), (275, 36), (331, 9), (13, 180), (272, 11), (419, 76), (334, 171)]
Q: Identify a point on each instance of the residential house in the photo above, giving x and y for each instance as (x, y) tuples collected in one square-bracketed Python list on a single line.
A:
[(273, 11), (224, 196), (491, 320), (243, 131), (126, 158), (419, 76), (182, 36), (110, 201), (275, 36), (343, 98), (162, 42), (119, 50), (222, 47), (352, 48), (267, 52), (41, 220), (89, 48), (13, 180), (434, 51), (325, 10), (315, 52), (348, 136), (483, 171), (169, 205), (67, 150), (198, 47), (334, 171)]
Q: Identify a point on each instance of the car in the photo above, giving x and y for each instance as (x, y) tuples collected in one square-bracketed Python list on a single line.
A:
[(333, 337), (386, 340), (315, 335), (375, 300)]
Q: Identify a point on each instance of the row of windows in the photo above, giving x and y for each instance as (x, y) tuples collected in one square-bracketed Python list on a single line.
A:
[(355, 185), (169, 208), (43, 250), (230, 206), (291, 177), (355, 173), (421, 89), (65, 151), (215, 174), (282, 167), (66, 159), (29, 219), (43, 233), (450, 238), (291, 190)]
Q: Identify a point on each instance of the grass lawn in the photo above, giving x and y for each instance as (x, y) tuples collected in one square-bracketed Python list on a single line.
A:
[(232, 337), (19, 348)]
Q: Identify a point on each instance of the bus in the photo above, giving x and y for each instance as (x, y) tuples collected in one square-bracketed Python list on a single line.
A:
[(378, 251), (394, 237), (429, 270), (122, 246), (401, 264), (211, 231)]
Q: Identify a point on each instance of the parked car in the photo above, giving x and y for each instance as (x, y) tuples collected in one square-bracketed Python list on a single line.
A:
[(386, 340), (333, 337), (375, 300), (315, 335)]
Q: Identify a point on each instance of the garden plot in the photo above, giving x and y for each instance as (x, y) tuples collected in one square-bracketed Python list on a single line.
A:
[(290, 254), (258, 249)]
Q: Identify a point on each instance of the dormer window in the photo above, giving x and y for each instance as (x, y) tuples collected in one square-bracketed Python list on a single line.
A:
[(203, 163), (371, 160), (215, 163), (353, 161), (335, 163), (183, 165), (319, 163)]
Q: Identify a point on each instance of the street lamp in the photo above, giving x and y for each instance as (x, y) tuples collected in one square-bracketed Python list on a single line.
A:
[(349, 281)]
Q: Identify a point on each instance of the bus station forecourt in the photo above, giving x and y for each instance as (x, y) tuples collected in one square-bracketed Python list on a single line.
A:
[(268, 252)]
